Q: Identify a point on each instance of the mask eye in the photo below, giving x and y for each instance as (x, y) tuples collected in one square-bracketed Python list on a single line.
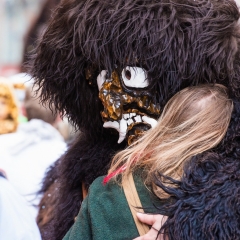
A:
[(135, 77), (128, 74)]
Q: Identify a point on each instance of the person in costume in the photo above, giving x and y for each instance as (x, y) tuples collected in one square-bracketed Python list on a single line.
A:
[(193, 121), (111, 66), (8, 108)]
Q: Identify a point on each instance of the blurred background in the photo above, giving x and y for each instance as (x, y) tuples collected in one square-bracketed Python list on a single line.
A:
[(16, 18), (22, 23)]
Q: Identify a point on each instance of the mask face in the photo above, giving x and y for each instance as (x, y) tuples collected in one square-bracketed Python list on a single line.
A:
[(128, 102)]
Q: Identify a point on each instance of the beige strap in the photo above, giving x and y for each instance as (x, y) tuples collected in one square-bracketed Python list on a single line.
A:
[(84, 190), (133, 202), (84, 194)]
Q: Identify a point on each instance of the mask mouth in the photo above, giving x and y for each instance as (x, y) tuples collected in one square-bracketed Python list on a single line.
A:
[(136, 131), (142, 107), (133, 122), (135, 117)]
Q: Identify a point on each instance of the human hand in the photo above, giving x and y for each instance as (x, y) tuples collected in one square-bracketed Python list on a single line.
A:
[(156, 221)]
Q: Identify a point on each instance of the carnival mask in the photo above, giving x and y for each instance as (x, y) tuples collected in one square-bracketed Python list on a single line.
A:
[(128, 102)]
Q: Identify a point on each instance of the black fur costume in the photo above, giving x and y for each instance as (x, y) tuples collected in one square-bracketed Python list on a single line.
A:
[(178, 42)]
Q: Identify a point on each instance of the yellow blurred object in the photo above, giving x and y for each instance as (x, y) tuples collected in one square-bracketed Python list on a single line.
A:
[(20, 86), (8, 108)]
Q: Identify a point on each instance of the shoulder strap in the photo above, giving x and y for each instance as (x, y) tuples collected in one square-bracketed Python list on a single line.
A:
[(133, 200), (84, 190)]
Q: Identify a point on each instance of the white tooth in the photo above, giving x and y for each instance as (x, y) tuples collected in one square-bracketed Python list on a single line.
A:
[(130, 121), (110, 124), (138, 118), (125, 116), (131, 115), (122, 130), (150, 121), (134, 114)]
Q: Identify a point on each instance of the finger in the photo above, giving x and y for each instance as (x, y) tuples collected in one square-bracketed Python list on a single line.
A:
[(159, 221), (154, 220), (146, 218)]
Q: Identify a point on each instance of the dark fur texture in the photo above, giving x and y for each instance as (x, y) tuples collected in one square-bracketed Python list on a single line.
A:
[(178, 42), (85, 160), (48, 202), (207, 199)]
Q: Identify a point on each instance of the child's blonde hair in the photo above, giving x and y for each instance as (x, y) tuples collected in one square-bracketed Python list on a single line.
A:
[(193, 121)]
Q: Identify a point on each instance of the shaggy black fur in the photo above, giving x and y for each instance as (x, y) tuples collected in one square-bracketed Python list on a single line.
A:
[(207, 199), (178, 42), (85, 160)]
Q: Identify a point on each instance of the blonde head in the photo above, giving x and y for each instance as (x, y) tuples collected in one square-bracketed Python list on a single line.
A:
[(193, 121), (9, 108)]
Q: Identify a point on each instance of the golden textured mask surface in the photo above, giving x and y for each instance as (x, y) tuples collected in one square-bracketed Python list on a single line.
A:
[(130, 111)]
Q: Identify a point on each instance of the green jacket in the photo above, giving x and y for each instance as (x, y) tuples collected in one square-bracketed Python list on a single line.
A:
[(105, 213)]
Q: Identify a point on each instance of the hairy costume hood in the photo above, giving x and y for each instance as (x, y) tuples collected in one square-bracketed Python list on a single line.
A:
[(179, 43)]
